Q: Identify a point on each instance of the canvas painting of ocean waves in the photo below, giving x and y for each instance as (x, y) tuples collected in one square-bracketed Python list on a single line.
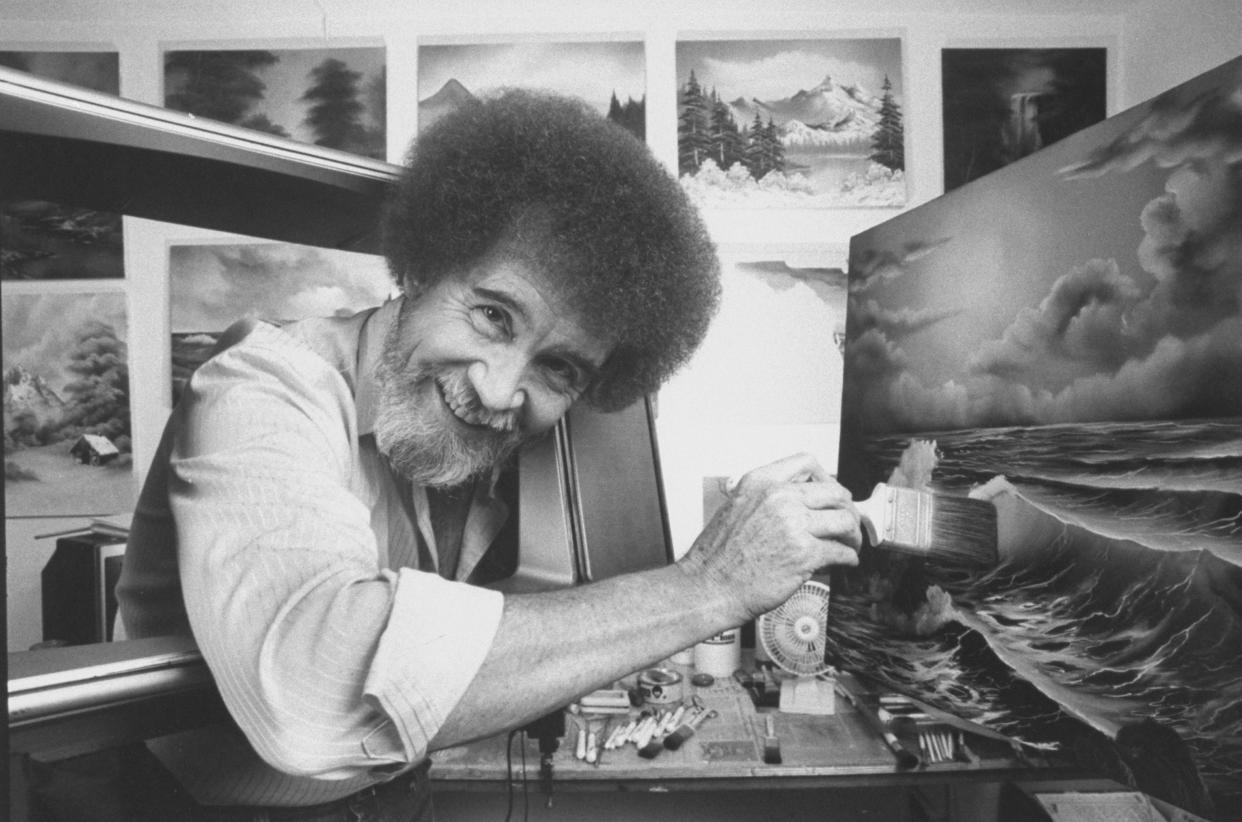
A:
[(1064, 337)]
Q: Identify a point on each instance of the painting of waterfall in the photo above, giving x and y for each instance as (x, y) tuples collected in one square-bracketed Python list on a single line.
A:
[(1063, 337), (1002, 104)]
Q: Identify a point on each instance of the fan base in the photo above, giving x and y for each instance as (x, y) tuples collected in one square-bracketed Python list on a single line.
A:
[(808, 695)]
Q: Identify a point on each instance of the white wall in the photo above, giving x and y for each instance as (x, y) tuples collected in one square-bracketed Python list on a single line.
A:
[(1153, 45)]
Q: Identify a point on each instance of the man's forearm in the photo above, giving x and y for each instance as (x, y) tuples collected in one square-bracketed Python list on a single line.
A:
[(552, 647)]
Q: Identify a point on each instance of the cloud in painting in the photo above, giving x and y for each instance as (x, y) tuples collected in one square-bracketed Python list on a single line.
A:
[(214, 285), (1174, 132), (873, 267), (40, 330), (1162, 341)]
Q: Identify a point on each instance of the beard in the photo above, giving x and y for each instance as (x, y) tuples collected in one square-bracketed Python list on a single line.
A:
[(413, 434)]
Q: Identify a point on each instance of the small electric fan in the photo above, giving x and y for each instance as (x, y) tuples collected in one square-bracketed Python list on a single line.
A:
[(794, 637)]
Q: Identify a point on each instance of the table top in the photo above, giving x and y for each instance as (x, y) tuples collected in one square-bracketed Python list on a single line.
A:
[(845, 747)]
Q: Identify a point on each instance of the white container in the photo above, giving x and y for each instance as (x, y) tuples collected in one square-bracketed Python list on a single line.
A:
[(720, 655)]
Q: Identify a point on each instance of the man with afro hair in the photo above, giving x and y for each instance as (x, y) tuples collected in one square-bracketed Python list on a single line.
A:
[(326, 490)]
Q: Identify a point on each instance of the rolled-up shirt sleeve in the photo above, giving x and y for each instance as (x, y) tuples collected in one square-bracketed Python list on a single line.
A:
[(329, 663)]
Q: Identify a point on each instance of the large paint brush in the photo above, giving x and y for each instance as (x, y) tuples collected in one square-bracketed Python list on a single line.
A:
[(950, 529)]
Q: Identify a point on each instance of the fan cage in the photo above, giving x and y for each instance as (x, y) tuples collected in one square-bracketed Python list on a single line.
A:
[(780, 635)]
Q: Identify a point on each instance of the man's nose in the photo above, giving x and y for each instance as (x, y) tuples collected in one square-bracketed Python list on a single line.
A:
[(498, 382)]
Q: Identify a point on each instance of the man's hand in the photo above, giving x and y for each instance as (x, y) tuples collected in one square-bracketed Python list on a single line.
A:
[(781, 523)]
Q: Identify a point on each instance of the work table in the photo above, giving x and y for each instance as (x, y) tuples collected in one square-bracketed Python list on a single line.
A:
[(842, 749)]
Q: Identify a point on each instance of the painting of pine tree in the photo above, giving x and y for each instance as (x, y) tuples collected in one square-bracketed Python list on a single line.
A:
[(336, 98), (791, 123)]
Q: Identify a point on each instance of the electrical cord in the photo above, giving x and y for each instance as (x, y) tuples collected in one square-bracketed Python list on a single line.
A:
[(509, 772), (509, 776)]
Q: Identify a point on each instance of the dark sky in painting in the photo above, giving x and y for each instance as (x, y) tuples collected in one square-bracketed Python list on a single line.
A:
[(1001, 104)]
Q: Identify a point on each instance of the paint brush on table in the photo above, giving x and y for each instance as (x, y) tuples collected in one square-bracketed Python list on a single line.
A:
[(678, 737), (771, 742), (906, 757), (950, 529)]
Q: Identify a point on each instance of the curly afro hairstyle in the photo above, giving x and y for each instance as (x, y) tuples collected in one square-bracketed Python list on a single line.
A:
[(550, 181)]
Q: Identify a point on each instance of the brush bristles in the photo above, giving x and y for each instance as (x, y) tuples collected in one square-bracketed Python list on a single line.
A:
[(964, 530), (956, 530)]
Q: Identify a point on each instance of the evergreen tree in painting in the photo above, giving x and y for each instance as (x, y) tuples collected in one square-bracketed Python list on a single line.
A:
[(335, 114), (774, 147), (727, 145), (693, 137), (764, 151), (756, 157), (632, 116), (888, 142), (97, 398), (221, 85)]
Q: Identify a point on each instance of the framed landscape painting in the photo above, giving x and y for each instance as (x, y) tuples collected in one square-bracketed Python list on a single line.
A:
[(67, 437), (610, 76), (212, 285), (1001, 104), (52, 241), (791, 123), (331, 97)]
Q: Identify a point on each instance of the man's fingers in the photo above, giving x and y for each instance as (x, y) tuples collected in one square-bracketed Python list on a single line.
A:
[(824, 494), (794, 468), (837, 525), (837, 554)]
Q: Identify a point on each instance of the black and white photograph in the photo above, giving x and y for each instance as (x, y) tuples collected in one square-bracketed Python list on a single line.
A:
[(623, 412)]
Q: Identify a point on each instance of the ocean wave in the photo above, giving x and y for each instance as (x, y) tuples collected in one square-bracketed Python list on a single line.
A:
[(1140, 474), (1156, 519)]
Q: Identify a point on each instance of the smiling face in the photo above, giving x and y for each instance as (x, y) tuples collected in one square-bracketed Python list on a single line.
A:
[(477, 365)]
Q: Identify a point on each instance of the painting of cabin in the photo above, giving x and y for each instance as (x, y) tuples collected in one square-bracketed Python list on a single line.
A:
[(94, 449), (1063, 337)]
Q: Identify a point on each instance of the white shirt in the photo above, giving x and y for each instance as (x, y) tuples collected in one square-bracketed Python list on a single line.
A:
[(270, 514)]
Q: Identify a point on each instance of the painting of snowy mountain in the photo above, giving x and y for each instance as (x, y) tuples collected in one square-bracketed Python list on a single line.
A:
[(609, 76), (791, 123)]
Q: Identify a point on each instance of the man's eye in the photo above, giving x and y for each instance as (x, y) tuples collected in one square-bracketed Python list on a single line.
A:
[(493, 317), (564, 373)]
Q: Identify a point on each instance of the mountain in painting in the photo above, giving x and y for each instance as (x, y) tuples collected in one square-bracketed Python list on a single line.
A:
[(450, 97), (828, 115)]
